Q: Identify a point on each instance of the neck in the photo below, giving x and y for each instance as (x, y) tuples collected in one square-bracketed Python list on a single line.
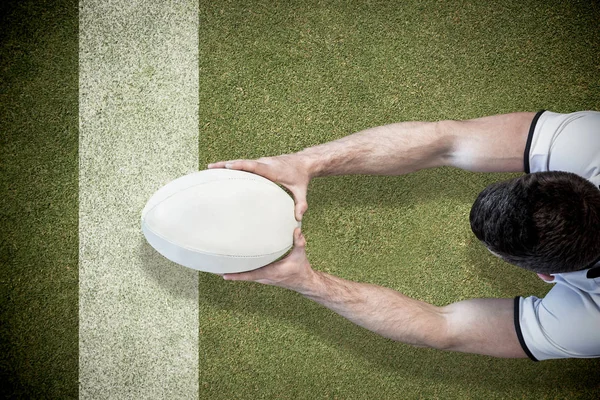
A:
[(547, 278)]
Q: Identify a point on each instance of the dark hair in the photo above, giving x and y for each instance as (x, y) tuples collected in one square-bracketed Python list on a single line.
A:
[(546, 222)]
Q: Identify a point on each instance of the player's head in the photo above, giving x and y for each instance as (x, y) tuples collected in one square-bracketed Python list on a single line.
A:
[(546, 222)]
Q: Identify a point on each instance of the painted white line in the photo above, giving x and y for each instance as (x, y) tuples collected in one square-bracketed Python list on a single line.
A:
[(138, 122)]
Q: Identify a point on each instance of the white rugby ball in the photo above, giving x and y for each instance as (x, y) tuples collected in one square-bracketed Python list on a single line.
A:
[(220, 221)]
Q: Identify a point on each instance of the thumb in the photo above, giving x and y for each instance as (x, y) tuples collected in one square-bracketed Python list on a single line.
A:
[(299, 240), (301, 203), (301, 208)]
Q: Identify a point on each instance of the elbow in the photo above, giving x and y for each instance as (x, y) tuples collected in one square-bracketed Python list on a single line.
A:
[(437, 344), (442, 337), (460, 150), (435, 332), (443, 343), (440, 341), (447, 134)]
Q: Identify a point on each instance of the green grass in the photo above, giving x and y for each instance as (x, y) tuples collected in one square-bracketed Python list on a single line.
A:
[(276, 77), (38, 199)]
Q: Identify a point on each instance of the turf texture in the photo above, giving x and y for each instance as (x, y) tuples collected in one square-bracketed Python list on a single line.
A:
[(276, 77), (38, 199), (138, 130)]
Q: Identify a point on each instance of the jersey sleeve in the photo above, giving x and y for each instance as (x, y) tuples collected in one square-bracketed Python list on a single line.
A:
[(565, 142), (559, 325)]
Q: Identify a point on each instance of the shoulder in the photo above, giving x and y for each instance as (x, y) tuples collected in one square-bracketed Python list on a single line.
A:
[(565, 142), (565, 323)]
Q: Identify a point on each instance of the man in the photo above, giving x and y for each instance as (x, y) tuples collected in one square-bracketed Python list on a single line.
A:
[(547, 222)]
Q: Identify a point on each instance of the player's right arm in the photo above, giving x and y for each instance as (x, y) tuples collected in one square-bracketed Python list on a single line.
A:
[(489, 144)]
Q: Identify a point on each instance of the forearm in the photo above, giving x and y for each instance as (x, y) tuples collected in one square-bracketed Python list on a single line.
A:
[(488, 144), (381, 310), (385, 150)]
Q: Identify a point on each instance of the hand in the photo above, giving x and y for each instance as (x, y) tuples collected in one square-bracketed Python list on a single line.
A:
[(292, 272), (287, 169)]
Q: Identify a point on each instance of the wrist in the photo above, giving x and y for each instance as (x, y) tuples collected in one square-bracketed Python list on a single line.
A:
[(310, 162), (311, 285)]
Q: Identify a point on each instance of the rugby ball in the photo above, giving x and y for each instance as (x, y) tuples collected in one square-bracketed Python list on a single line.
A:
[(220, 221)]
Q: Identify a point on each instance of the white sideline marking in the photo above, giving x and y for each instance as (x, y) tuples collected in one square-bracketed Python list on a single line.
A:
[(138, 130)]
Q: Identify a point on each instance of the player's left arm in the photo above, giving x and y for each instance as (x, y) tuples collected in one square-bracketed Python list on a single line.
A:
[(482, 326)]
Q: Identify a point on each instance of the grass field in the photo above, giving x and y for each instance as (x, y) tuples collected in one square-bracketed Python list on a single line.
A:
[(38, 199), (277, 77)]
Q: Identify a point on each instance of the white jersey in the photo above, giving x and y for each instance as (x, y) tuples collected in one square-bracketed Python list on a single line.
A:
[(565, 323)]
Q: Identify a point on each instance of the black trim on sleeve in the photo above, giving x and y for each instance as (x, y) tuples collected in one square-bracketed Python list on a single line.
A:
[(594, 270), (519, 333), (529, 139), (593, 273)]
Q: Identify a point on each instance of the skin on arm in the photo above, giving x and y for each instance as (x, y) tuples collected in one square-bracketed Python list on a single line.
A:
[(482, 326), (489, 144)]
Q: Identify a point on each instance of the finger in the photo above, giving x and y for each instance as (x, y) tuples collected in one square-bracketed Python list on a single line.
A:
[(299, 240), (241, 276), (221, 164), (243, 165), (252, 166)]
